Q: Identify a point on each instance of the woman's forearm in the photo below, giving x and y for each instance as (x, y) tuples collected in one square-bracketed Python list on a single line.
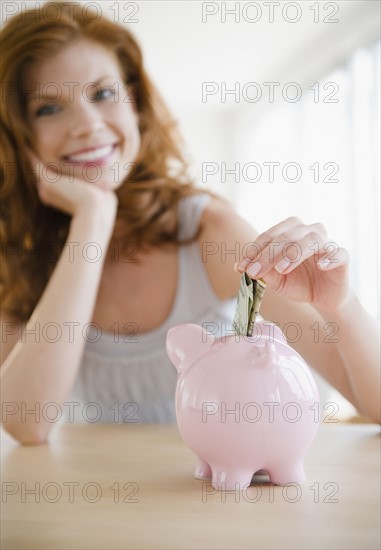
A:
[(39, 371), (359, 347)]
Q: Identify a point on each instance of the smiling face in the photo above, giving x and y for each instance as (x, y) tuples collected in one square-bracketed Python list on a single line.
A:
[(88, 125)]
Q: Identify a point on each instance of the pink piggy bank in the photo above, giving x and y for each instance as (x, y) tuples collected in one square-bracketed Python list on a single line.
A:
[(243, 404)]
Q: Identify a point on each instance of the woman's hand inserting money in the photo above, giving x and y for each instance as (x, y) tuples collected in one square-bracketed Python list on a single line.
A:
[(300, 262)]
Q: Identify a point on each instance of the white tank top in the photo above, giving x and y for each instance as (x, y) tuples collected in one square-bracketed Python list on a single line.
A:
[(130, 378)]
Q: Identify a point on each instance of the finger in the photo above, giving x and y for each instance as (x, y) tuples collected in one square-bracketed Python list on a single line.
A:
[(285, 248), (288, 226), (290, 254), (294, 254), (329, 262)]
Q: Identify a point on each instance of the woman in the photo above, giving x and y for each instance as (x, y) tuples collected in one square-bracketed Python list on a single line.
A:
[(107, 244)]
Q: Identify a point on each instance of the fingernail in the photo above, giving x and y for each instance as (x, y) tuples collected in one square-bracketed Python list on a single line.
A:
[(243, 263), (283, 265), (254, 269), (324, 263)]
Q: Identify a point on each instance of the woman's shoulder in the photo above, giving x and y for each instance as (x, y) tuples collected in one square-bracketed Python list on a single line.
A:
[(222, 241), (220, 220)]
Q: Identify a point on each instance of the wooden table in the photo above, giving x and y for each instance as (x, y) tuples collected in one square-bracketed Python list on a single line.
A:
[(132, 486)]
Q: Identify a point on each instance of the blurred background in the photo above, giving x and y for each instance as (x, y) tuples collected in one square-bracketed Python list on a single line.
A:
[(278, 104), (303, 94)]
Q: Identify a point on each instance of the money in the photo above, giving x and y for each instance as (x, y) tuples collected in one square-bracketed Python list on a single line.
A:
[(249, 301)]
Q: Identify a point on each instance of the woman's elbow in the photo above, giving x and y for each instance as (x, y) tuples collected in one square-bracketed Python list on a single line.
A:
[(26, 437)]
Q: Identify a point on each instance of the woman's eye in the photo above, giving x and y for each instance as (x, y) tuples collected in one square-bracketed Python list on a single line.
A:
[(47, 110), (104, 94)]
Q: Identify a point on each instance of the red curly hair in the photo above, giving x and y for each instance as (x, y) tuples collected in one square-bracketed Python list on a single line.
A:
[(32, 233)]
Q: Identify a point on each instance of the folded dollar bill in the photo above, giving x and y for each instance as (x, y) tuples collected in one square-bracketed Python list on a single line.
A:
[(249, 301)]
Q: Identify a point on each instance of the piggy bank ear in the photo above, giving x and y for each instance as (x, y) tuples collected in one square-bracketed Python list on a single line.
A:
[(186, 342)]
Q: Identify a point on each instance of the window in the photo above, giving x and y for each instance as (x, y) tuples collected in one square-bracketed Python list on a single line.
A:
[(326, 149), (326, 146)]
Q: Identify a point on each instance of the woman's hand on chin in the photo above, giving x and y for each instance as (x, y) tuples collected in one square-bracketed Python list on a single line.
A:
[(70, 194)]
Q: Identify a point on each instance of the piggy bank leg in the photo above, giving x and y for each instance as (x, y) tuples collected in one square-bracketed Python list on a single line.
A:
[(284, 473), (230, 480), (203, 470)]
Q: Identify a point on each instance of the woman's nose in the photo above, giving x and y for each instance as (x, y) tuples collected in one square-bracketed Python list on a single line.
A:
[(86, 121)]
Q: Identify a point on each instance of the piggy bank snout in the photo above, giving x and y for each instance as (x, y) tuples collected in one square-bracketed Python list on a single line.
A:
[(264, 354)]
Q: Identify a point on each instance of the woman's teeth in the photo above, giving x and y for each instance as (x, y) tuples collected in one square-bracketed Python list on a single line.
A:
[(92, 155)]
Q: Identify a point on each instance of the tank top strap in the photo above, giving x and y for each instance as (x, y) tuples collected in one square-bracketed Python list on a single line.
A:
[(195, 292), (190, 210)]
